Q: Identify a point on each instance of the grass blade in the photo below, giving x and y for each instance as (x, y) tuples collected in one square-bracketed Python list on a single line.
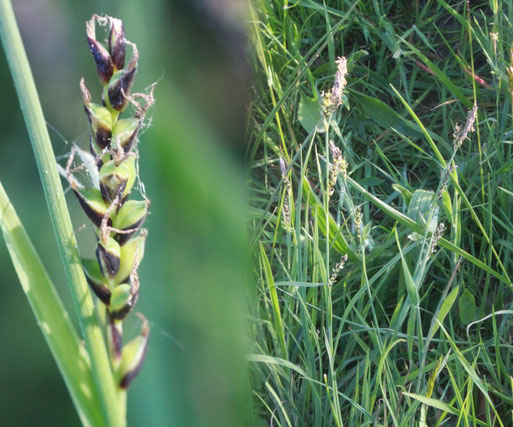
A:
[(434, 403), (51, 315), (274, 300), (444, 311), (471, 372)]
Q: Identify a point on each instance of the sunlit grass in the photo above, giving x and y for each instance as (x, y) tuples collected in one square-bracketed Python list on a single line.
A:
[(388, 342)]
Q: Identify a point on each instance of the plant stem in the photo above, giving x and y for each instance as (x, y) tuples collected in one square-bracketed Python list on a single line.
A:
[(51, 315), (35, 122)]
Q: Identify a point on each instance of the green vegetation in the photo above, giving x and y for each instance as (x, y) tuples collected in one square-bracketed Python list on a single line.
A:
[(195, 371), (28, 265), (380, 186), (382, 244)]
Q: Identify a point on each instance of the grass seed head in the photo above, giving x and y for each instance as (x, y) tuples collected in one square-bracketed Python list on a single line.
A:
[(333, 98), (338, 268), (338, 166), (459, 134), (113, 275)]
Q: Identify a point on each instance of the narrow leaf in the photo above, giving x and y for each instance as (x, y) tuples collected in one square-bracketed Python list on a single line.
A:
[(444, 310), (434, 403), (274, 300), (52, 317)]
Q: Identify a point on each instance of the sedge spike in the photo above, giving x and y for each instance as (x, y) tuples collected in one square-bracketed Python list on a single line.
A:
[(112, 274)]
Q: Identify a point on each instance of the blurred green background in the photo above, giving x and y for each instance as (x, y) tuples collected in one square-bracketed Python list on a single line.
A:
[(194, 277)]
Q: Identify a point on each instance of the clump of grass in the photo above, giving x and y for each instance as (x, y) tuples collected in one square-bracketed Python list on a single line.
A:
[(384, 341)]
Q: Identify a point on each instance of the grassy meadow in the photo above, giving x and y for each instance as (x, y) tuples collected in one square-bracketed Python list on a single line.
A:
[(381, 229)]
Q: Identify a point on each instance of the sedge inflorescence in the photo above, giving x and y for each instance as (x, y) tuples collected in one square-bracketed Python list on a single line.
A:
[(112, 275)]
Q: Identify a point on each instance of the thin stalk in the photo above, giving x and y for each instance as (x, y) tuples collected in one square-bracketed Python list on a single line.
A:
[(51, 315), (334, 401), (35, 122)]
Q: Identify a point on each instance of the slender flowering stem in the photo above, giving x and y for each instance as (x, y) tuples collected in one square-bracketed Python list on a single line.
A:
[(34, 119)]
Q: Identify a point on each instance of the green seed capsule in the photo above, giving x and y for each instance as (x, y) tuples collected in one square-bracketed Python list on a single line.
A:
[(123, 300), (119, 88), (121, 296), (124, 133), (132, 356), (100, 119), (131, 253), (130, 217), (117, 181), (102, 60), (109, 257), (117, 43), (92, 203), (96, 280), (95, 151)]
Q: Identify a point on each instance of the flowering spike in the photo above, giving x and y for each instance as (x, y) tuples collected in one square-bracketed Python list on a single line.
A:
[(333, 99), (113, 275)]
